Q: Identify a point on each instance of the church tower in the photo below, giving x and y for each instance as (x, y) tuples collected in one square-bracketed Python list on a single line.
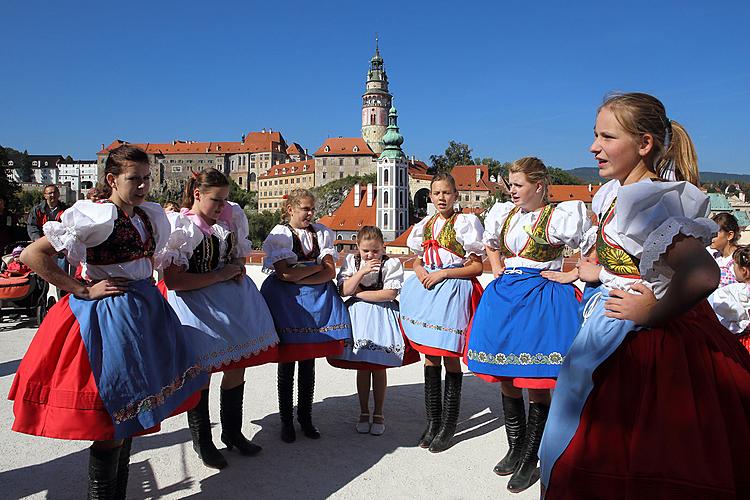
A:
[(393, 182), (376, 102)]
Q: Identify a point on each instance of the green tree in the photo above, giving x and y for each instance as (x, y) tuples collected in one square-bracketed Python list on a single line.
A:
[(329, 196), (28, 198), (457, 153), (241, 197), (8, 187), (261, 224), (560, 176), (25, 171)]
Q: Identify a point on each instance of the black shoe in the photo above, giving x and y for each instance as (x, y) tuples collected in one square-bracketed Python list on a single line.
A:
[(103, 473), (123, 470), (305, 395), (451, 409), (527, 472), (433, 376), (285, 385), (231, 422), (515, 428), (200, 430)]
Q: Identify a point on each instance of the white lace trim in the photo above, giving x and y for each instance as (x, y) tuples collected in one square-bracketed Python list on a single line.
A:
[(392, 285), (64, 238), (588, 240), (658, 241)]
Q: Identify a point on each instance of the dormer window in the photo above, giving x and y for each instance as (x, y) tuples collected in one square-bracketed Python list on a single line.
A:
[(276, 171), (304, 169), (327, 149), (356, 149)]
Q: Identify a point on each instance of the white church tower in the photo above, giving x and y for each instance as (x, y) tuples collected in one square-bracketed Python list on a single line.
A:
[(393, 183)]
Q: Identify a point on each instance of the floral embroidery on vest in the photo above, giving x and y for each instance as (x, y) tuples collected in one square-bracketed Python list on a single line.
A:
[(446, 239), (124, 244), (612, 257), (537, 247)]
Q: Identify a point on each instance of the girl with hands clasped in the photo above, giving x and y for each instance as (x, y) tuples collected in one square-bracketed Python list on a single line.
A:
[(310, 317), (371, 280), (653, 400), (229, 322), (525, 321), (110, 360), (439, 301)]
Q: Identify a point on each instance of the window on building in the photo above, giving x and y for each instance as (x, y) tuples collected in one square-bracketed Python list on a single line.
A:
[(385, 220), (356, 160), (341, 161), (324, 174), (355, 149), (176, 168), (326, 149), (251, 177), (385, 199), (240, 180), (477, 197), (325, 162)]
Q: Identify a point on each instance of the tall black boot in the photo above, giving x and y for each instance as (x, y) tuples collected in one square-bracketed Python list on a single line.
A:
[(231, 421), (515, 428), (527, 472), (103, 473), (200, 430), (123, 469), (305, 395), (285, 385), (433, 395), (451, 408)]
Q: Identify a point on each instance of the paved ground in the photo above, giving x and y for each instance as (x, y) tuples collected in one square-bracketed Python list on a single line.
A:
[(341, 465)]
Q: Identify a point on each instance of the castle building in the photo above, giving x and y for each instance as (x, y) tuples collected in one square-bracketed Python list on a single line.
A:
[(376, 102), (340, 157), (283, 179)]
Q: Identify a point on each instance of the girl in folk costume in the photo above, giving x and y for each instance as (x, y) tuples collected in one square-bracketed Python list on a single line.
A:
[(438, 302), (229, 322), (525, 321), (309, 315), (372, 281), (724, 244), (109, 361), (653, 399), (731, 303)]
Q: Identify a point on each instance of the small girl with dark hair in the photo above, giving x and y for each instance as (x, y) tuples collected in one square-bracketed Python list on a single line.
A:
[(310, 317), (372, 280), (724, 244), (110, 360), (229, 323), (731, 303)]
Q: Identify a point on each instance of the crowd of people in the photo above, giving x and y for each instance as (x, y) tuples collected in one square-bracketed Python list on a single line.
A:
[(651, 387)]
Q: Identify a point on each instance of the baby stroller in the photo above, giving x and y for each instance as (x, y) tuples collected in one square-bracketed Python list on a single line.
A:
[(22, 293)]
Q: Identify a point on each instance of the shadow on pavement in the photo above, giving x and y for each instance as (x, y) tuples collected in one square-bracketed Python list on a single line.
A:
[(9, 367)]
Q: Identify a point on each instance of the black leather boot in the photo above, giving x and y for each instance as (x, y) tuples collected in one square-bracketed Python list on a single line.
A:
[(305, 395), (123, 469), (451, 409), (527, 472), (285, 385), (200, 430), (103, 473), (231, 421), (515, 428), (433, 395)]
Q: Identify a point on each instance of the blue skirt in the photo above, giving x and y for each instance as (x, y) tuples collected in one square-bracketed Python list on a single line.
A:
[(437, 317), (143, 366), (228, 322), (523, 326), (307, 314)]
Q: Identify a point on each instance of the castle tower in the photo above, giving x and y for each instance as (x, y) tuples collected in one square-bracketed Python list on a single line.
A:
[(376, 102), (393, 182)]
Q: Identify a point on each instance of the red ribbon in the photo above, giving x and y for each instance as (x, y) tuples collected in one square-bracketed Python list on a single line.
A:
[(434, 258)]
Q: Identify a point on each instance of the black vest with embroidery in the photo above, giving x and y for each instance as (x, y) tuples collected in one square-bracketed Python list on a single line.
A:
[(125, 243), (299, 250), (379, 283), (207, 254)]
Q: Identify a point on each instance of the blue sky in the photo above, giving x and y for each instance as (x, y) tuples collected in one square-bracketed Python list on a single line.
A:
[(509, 78)]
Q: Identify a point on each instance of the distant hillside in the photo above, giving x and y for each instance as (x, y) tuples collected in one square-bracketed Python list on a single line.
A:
[(591, 174)]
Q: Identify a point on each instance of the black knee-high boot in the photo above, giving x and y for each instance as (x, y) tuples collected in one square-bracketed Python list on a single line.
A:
[(200, 430), (305, 395), (103, 473), (285, 385), (451, 409), (433, 395), (231, 421), (515, 428), (123, 469), (527, 472)]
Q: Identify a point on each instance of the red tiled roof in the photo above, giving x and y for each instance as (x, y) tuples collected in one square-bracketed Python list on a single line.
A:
[(254, 142), (418, 170), (297, 165), (344, 146), (568, 192), (350, 218), (466, 178), (401, 240), (295, 149)]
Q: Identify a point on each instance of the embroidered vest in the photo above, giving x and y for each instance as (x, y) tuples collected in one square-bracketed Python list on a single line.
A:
[(379, 283), (612, 257), (537, 247), (299, 250), (206, 255), (124, 244), (446, 238)]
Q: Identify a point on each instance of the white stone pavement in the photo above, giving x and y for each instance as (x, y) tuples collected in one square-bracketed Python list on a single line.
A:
[(341, 465)]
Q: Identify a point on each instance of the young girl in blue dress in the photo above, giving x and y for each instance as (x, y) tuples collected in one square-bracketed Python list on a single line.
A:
[(438, 302), (310, 317), (526, 322), (228, 320), (372, 281), (109, 361)]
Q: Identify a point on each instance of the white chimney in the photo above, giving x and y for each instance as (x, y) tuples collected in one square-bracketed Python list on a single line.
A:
[(590, 188), (357, 195), (102, 145), (479, 174), (369, 194)]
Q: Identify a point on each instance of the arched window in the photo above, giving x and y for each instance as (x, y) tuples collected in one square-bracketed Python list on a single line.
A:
[(385, 176), (385, 199), (372, 119), (240, 180), (251, 177), (385, 220)]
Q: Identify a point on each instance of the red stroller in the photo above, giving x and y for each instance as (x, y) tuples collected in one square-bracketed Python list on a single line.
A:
[(22, 292)]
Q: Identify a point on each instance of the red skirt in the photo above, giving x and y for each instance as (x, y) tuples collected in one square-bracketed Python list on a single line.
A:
[(668, 418), (288, 353), (54, 392)]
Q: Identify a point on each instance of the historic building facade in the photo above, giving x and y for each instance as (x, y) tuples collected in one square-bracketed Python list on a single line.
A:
[(376, 102), (281, 179)]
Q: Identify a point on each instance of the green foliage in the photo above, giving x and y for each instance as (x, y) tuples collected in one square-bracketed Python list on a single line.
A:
[(560, 176), (25, 171), (457, 153), (241, 197), (329, 196), (28, 198), (261, 224), (166, 192), (8, 187)]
